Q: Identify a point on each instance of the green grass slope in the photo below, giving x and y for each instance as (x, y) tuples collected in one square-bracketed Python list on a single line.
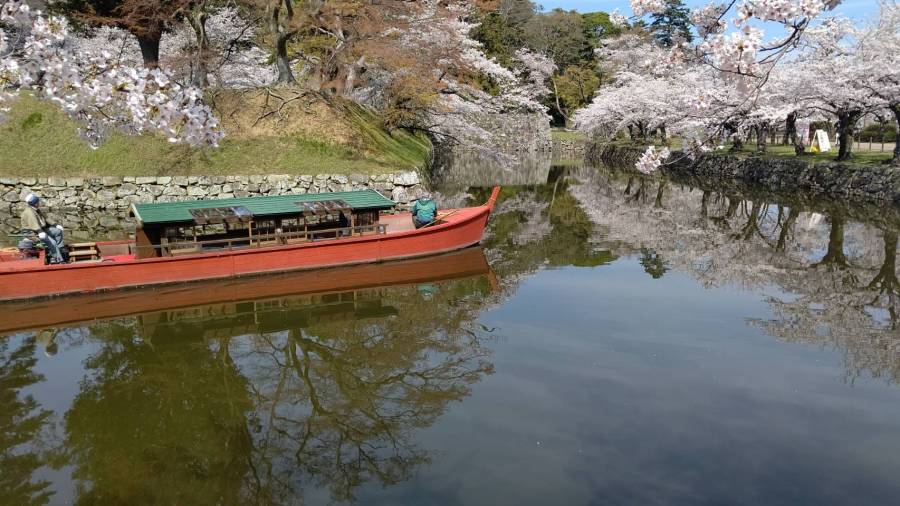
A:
[(36, 139)]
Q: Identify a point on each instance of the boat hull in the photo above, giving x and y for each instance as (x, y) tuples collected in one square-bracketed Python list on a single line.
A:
[(30, 314), (464, 229)]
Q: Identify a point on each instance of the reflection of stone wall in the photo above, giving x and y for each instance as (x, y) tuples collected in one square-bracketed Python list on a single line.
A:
[(118, 193), (464, 169), (569, 148), (832, 179)]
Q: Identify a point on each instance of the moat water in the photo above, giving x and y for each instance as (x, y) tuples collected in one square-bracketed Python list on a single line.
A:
[(617, 340)]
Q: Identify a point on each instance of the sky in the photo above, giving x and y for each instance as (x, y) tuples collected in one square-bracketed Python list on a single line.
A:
[(854, 9)]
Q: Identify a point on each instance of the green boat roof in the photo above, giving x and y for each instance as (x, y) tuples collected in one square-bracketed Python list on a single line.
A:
[(177, 212)]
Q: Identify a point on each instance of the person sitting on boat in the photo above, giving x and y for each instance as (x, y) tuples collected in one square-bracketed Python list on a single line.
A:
[(424, 211), (34, 221)]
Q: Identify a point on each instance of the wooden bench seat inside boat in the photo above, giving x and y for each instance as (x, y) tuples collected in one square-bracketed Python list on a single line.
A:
[(83, 251)]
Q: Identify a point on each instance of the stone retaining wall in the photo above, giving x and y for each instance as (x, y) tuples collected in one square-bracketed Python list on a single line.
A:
[(879, 183), (118, 193), (569, 148), (510, 134)]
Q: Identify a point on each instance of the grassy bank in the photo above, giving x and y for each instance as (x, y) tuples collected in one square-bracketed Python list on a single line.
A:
[(567, 135), (39, 140), (860, 157)]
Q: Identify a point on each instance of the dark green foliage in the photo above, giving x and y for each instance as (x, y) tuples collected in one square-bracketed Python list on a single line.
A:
[(567, 243), (878, 133), (559, 35), (672, 25), (653, 264), (598, 26), (503, 31)]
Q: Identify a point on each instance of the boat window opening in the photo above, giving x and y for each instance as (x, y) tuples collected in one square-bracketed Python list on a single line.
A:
[(264, 227), (322, 219), (365, 219), (235, 227), (213, 229)]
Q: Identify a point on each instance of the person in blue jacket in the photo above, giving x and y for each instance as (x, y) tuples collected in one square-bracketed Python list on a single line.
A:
[(424, 211)]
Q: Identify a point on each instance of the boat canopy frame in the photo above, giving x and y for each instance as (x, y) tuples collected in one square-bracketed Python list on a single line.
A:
[(159, 214)]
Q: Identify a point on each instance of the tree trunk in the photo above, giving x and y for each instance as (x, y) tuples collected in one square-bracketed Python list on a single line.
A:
[(834, 255), (886, 281), (704, 205), (282, 60), (658, 202), (787, 227), (149, 44), (762, 131), (895, 107), (350, 79), (559, 108), (791, 134), (790, 128), (847, 120), (200, 72), (283, 36)]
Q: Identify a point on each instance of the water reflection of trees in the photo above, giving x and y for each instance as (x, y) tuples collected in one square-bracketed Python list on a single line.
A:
[(836, 264), (21, 422), (539, 225), (260, 402)]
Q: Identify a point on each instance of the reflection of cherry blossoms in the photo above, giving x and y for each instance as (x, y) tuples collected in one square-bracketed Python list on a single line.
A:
[(829, 279), (98, 91)]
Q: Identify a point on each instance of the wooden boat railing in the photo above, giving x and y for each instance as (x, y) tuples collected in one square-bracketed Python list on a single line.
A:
[(261, 240)]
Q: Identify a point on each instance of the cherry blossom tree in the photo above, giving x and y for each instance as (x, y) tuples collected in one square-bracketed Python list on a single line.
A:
[(878, 59), (835, 70), (742, 55), (98, 91), (715, 106)]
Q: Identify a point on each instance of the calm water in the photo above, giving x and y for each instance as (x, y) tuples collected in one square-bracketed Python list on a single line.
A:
[(619, 340)]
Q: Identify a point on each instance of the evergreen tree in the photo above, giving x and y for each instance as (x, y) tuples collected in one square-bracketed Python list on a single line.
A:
[(672, 25)]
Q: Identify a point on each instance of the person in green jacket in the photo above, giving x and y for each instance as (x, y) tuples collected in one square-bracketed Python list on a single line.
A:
[(424, 211)]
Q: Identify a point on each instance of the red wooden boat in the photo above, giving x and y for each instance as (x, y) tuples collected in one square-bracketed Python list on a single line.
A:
[(215, 239), (77, 309)]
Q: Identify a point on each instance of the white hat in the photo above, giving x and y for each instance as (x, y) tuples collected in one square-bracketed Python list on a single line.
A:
[(32, 199)]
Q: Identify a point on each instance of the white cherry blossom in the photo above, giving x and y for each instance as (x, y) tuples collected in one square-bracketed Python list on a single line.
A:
[(98, 90)]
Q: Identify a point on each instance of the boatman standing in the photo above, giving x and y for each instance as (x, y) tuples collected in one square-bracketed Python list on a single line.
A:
[(33, 220), (424, 211)]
